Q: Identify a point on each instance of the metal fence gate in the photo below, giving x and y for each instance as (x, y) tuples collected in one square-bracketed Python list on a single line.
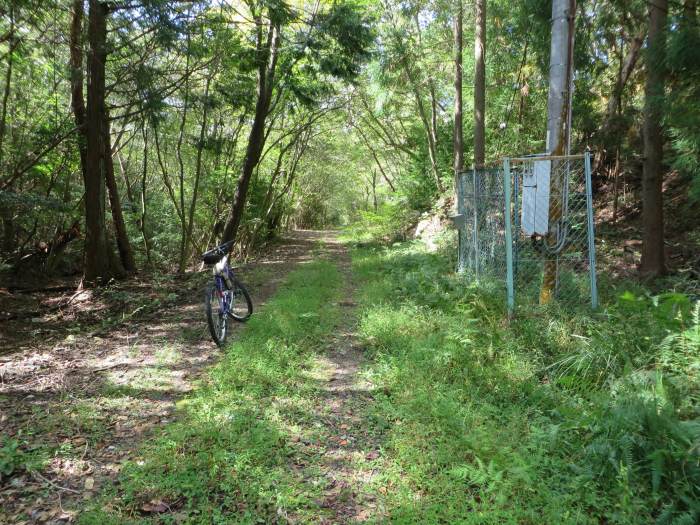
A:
[(529, 225), (482, 243)]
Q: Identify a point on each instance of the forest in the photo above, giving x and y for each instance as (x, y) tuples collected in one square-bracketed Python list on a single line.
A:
[(422, 348)]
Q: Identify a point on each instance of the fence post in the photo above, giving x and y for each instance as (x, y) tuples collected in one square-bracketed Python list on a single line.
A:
[(460, 227), (591, 231), (509, 238), (475, 207)]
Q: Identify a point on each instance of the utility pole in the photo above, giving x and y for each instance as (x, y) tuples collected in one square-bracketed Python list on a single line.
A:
[(558, 126)]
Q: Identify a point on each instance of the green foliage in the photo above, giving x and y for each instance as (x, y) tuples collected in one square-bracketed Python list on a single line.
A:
[(387, 224), (11, 456), (553, 416), (684, 102)]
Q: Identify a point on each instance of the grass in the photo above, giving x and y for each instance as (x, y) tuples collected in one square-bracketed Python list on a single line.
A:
[(226, 460), (550, 418), (554, 416)]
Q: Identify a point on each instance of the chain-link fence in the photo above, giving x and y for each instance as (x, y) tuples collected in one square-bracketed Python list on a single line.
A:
[(529, 225), (482, 250)]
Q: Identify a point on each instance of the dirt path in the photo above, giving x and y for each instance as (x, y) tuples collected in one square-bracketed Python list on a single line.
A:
[(84, 379), (346, 449)]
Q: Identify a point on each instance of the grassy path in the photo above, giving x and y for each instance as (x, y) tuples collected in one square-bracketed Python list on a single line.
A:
[(383, 388), (342, 445), (82, 430), (275, 434)]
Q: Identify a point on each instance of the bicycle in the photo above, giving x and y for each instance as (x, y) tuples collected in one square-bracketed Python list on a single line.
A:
[(226, 296)]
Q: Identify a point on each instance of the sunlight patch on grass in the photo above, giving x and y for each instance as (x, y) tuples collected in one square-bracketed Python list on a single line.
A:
[(226, 458)]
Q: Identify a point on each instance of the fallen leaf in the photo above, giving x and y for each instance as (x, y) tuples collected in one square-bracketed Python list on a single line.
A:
[(65, 516), (89, 483), (155, 506), (343, 442)]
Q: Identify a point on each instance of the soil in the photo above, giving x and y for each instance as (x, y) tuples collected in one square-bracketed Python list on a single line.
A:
[(92, 374)]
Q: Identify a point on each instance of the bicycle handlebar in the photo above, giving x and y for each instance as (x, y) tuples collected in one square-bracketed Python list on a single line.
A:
[(214, 255)]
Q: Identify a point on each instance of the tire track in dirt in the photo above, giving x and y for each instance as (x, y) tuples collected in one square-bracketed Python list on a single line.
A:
[(347, 448)]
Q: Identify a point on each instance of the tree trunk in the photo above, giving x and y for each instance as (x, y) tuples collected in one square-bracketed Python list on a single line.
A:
[(432, 154), (430, 125), (458, 134), (166, 178), (616, 186), (197, 175), (126, 254), (144, 173), (8, 230), (609, 132), (256, 138), (13, 43), (653, 260), (7, 213), (374, 191), (76, 80), (480, 85), (375, 156), (690, 13), (558, 104), (100, 262), (178, 150)]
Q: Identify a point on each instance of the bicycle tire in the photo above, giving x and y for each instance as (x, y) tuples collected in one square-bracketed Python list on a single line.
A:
[(218, 332), (243, 315)]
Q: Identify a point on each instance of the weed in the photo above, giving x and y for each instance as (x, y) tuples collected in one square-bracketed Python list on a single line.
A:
[(555, 416), (11, 456)]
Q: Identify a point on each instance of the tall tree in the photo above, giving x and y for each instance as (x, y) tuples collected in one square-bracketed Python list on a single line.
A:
[(77, 78), (100, 262), (6, 213), (266, 47), (329, 45), (653, 259), (480, 84), (458, 138), (126, 254)]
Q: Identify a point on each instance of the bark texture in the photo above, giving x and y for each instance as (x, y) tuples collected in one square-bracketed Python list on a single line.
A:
[(100, 262), (653, 259), (480, 85), (458, 137)]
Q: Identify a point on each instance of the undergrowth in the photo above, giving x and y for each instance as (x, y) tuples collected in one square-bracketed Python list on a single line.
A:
[(225, 460), (388, 223), (551, 417)]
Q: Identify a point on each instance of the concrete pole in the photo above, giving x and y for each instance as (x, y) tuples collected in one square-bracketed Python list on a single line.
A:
[(558, 108)]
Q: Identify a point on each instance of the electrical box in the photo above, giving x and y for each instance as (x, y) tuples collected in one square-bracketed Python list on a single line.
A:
[(534, 218)]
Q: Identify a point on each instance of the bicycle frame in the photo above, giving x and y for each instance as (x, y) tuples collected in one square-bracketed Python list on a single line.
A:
[(224, 298), (222, 272)]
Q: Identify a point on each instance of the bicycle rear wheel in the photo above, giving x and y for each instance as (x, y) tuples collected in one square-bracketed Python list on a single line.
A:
[(241, 304), (216, 315)]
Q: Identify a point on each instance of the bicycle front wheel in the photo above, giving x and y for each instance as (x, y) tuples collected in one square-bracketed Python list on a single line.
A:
[(241, 305), (216, 314)]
